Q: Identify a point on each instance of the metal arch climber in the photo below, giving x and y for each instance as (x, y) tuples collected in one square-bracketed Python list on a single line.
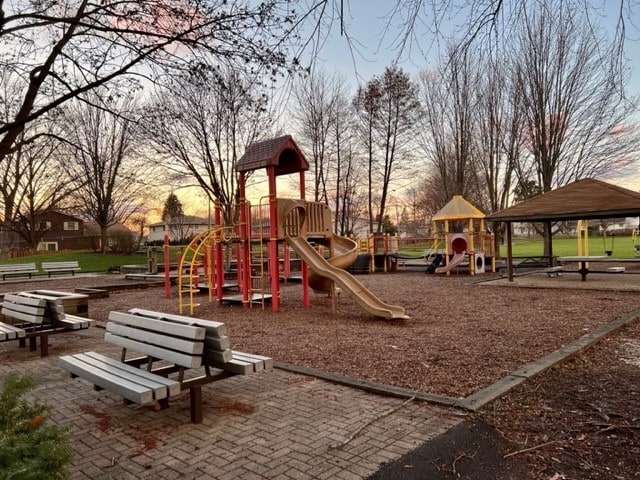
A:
[(198, 253)]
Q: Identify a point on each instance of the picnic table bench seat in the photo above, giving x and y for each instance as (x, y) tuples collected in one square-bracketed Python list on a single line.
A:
[(36, 317), (18, 269), (171, 354), (60, 267)]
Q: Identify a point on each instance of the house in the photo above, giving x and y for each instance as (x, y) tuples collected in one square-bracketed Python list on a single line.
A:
[(62, 232), (185, 226)]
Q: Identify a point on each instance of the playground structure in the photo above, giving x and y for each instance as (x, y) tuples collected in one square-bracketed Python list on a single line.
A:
[(473, 243), (262, 239)]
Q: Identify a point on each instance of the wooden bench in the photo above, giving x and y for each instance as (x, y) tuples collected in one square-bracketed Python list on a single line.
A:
[(18, 269), (60, 267), (178, 353), (55, 310), (34, 317)]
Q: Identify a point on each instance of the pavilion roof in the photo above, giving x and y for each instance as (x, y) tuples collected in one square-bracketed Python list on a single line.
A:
[(581, 200)]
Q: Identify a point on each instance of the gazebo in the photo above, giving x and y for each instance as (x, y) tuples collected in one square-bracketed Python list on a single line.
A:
[(582, 200)]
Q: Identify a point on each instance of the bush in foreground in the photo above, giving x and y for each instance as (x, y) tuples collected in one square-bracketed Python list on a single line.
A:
[(29, 448)]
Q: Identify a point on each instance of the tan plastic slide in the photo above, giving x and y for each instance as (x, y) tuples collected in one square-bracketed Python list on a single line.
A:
[(342, 278), (457, 259)]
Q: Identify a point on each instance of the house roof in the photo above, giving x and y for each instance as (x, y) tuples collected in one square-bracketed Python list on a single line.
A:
[(458, 209), (281, 152), (582, 200), (185, 220), (51, 212)]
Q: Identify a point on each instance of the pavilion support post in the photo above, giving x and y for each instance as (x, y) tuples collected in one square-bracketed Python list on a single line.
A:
[(509, 253), (550, 243)]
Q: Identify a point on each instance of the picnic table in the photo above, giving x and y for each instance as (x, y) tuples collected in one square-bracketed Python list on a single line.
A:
[(583, 260)]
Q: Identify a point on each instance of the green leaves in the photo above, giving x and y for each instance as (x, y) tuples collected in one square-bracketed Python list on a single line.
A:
[(29, 448)]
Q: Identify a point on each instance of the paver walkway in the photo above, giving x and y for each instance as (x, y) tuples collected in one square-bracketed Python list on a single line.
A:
[(273, 424)]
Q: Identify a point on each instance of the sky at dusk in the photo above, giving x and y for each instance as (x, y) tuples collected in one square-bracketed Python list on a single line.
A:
[(366, 21)]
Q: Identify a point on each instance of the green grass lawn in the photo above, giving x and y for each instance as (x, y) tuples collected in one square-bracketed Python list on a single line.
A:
[(88, 261), (622, 246)]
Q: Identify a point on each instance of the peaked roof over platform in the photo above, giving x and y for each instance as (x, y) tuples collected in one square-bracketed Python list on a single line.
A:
[(281, 152), (457, 209), (582, 200)]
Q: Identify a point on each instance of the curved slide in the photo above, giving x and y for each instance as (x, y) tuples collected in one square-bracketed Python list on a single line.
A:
[(457, 259), (344, 279)]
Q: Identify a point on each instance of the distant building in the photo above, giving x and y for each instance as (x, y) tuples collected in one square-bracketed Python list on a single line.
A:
[(62, 232), (185, 226)]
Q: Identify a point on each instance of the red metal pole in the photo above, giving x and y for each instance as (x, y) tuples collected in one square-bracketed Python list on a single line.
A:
[(243, 257), (218, 254), (304, 270), (167, 279), (273, 240)]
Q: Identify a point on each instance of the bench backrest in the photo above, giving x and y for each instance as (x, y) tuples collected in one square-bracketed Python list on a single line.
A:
[(18, 267), (25, 309), (69, 264), (217, 344), (54, 309), (174, 342)]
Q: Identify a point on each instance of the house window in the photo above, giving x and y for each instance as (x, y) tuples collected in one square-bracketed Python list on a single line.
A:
[(43, 226), (71, 226)]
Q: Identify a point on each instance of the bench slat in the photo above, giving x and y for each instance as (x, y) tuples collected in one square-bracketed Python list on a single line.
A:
[(217, 343), (152, 324), (24, 317), (163, 387), (266, 362), (182, 359), (73, 322), (217, 329), (165, 341), (10, 332), (240, 367), (24, 299), (114, 383), (219, 356)]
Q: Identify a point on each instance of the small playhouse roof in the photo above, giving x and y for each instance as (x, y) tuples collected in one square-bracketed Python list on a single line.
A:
[(281, 152), (458, 209), (582, 200)]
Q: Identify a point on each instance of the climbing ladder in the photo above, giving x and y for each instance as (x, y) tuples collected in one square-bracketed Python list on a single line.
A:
[(259, 284)]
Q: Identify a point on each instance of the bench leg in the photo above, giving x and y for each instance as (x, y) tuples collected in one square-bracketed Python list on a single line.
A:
[(195, 404), (44, 345), (32, 344), (22, 342)]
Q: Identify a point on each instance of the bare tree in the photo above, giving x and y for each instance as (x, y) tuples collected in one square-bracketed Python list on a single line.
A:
[(315, 111), (483, 24), (105, 169), (201, 125), (449, 129), (573, 109), (387, 110), (399, 114), (57, 51), (33, 181), (348, 171), (367, 107)]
